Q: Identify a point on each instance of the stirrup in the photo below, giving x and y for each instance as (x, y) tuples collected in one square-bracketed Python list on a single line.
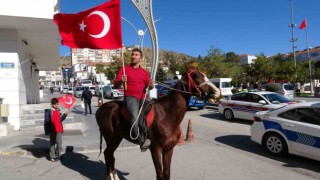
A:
[(145, 145)]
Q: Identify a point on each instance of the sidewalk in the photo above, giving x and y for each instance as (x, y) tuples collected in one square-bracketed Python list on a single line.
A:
[(35, 143)]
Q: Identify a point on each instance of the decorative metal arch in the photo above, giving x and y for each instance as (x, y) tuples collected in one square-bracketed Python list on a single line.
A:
[(145, 9)]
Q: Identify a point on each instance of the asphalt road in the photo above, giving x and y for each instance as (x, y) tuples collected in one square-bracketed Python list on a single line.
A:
[(222, 150)]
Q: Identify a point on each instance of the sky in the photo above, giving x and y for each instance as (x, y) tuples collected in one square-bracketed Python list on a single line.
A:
[(241, 26)]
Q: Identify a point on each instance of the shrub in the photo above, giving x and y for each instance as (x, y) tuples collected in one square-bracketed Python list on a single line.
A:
[(273, 88), (234, 91)]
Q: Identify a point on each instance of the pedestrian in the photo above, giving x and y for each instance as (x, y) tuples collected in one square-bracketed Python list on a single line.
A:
[(298, 87), (51, 90), (86, 96), (136, 80), (54, 128)]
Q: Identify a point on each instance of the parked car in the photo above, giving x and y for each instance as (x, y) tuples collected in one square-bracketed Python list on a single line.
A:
[(110, 92), (86, 82), (65, 90), (92, 89), (70, 90), (285, 89), (78, 91), (293, 129), (193, 102), (97, 90), (245, 105)]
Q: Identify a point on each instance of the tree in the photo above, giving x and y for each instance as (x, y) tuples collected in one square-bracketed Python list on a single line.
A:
[(161, 75), (232, 57)]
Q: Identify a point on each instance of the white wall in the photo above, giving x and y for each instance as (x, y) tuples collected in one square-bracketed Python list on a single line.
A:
[(19, 85), (30, 8)]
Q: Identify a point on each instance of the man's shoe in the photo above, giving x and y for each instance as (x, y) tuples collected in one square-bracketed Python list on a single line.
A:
[(54, 159), (145, 145)]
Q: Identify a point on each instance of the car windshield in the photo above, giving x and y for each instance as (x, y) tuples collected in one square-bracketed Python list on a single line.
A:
[(79, 88), (92, 88), (276, 98)]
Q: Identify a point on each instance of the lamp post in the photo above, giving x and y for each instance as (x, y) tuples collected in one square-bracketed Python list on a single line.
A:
[(65, 55), (293, 40), (140, 34)]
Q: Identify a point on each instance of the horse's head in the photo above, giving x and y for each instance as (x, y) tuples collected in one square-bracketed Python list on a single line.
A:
[(198, 83)]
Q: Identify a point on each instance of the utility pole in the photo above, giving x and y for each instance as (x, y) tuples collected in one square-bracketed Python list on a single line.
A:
[(293, 40)]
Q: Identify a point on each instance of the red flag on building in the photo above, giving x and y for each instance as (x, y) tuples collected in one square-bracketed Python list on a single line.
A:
[(67, 101), (96, 28), (303, 24)]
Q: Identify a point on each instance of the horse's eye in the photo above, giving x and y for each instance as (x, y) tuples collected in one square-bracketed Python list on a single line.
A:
[(196, 75)]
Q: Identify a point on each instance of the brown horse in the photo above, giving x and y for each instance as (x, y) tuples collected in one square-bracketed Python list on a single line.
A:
[(164, 132)]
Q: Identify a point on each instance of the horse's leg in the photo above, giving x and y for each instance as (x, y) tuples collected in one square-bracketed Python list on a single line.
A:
[(109, 156), (156, 157), (166, 160)]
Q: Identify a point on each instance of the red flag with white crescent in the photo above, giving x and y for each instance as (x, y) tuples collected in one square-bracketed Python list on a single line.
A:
[(67, 101), (95, 28)]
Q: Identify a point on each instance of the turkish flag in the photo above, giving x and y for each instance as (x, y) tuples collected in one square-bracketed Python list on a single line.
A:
[(96, 28), (303, 24), (67, 101)]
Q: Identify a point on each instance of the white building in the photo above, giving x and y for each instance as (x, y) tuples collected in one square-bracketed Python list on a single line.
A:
[(247, 59), (29, 42)]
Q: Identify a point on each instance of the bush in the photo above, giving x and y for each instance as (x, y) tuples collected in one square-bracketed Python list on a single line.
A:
[(273, 88), (234, 91)]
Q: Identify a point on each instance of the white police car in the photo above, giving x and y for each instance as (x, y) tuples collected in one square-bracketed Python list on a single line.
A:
[(245, 105), (293, 129)]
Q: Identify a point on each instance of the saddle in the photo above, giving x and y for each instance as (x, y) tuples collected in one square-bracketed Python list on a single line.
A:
[(146, 117)]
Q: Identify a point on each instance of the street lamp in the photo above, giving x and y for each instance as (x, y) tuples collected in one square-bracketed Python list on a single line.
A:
[(293, 40), (140, 34)]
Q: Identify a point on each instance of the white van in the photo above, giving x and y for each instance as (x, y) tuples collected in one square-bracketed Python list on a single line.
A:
[(86, 82), (224, 84)]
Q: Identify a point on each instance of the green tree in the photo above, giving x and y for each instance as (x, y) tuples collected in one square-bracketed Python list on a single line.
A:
[(232, 57)]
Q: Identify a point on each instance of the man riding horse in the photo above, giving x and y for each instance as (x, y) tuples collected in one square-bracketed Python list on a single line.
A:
[(136, 80)]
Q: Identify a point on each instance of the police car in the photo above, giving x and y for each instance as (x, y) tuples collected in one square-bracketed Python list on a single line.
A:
[(293, 129), (244, 105)]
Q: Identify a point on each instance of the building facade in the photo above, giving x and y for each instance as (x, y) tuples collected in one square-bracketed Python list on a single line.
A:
[(247, 59), (29, 42)]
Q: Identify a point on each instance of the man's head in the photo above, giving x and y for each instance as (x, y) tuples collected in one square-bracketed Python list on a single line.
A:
[(136, 56), (54, 103)]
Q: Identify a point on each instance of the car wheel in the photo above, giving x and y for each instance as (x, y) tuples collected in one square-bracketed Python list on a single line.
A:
[(111, 97), (228, 114), (201, 107), (104, 96), (275, 144)]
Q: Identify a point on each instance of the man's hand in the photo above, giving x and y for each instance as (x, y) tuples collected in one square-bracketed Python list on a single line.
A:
[(151, 84), (124, 78)]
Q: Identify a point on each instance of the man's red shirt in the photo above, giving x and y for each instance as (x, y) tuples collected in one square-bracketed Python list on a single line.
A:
[(56, 121), (137, 81)]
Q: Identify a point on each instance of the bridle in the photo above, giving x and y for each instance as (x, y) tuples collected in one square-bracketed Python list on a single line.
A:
[(191, 83)]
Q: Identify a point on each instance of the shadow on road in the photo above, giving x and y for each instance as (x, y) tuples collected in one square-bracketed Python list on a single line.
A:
[(86, 167), (39, 148), (243, 142)]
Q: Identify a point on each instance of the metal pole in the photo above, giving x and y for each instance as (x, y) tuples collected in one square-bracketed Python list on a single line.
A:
[(101, 91), (293, 40), (309, 60)]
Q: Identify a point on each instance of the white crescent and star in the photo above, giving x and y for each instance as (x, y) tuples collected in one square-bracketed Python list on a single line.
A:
[(69, 102), (106, 24)]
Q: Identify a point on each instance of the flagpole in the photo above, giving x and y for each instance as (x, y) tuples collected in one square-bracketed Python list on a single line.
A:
[(124, 71), (309, 60)]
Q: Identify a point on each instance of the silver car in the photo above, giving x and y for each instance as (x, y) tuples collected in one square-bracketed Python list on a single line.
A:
[(286, 89), (78, 91)]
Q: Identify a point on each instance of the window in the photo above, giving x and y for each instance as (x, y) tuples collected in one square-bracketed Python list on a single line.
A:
[(288, 114), (226, 84), (314, 54), (308, 115), (240, 97), (255, 98)]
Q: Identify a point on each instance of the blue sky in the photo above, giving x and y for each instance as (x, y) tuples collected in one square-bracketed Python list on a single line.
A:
[(242, 26)]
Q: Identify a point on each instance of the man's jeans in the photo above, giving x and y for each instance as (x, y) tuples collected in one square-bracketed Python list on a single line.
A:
[(133, 105)]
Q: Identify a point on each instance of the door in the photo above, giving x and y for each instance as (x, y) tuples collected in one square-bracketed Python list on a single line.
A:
[(302, 128)]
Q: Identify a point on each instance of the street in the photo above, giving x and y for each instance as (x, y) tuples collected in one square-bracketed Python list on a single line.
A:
[(222, 150)]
